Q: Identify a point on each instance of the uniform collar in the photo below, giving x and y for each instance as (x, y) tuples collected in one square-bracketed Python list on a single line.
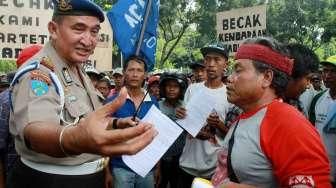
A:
[(62, 68)]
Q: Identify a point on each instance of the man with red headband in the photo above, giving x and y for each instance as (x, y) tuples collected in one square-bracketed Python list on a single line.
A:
[(271, 144)]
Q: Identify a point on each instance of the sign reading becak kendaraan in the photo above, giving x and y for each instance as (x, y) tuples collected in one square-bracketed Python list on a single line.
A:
[(234, 26), (24, 22)]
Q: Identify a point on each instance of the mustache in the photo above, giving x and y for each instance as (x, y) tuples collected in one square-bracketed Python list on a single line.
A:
[(86, 49)]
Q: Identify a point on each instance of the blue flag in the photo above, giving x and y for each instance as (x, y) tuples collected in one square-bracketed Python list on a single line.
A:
[(126, 18)]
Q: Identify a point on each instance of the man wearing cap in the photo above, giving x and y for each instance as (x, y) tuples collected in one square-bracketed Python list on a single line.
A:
[(199, 155), (61, 130), (324, 111), (94, 75), (271, 144), (198, 70), (118, 81)]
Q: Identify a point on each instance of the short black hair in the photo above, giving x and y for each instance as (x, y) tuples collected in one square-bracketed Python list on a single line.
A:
[(138, 59), (280, 78), (57, 18), (305, 60)]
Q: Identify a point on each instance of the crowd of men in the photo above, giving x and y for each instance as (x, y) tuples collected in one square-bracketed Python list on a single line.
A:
[(65, 125)]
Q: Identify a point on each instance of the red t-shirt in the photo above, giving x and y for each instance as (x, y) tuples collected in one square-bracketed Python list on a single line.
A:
[(275, 145)]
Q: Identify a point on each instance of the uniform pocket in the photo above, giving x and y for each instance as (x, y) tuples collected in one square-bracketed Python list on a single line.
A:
[(75, 107)]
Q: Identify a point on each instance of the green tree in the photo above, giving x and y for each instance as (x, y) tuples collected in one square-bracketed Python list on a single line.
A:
[(307, 22), (105, 4), (7, 65), (175, 18)]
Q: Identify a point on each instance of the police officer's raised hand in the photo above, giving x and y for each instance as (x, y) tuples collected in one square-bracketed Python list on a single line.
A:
[(95, 138), (90, 135)]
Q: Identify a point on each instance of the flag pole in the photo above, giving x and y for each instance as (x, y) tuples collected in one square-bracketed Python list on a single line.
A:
[(143, 28)]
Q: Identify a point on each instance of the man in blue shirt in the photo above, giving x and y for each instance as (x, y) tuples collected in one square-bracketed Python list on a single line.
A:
[(134, 77)]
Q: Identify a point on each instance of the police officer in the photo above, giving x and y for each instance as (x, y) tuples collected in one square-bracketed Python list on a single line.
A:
[(60, 128)]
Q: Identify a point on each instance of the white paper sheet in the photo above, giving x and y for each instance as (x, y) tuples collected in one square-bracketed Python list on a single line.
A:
[(198, 109), (168, 132)]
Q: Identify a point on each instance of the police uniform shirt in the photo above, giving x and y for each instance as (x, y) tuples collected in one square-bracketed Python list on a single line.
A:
[(40, 102)]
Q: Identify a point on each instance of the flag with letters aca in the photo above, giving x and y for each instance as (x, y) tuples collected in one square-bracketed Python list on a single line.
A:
[(126, 18)]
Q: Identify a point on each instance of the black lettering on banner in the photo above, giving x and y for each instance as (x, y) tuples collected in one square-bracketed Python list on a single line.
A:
[(225, 24), (1, 19), (256, 20), (103, 37), (36, 3), (43, 38), (244, 35), (27, 21), (249, 34), (232, 23), (91, 63), (232, 47), (23, 38), (248, 22), (2, 38), (17, 4), (7, 53), (238, 36), (2, 3), (254, 34), (220, 37), (37, 21), (13, 19), (10, 52), (24, 20), (11, 38), (235, 47), (32, 39), (239, 25), (261, 33), (48, 4)]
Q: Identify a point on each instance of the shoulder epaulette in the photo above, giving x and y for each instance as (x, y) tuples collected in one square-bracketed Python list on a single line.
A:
[(46, 61), (41, 76)]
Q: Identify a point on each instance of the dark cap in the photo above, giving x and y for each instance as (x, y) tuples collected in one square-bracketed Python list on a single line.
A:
[(196, 64), (78, 8), (92, 72), (215, 47), (181, 79)]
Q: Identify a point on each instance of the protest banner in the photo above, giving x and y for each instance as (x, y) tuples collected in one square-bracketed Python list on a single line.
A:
[(234, 26)]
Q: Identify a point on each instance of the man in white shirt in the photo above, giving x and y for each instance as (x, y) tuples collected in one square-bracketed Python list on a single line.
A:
[(199, 155), (325, 113)]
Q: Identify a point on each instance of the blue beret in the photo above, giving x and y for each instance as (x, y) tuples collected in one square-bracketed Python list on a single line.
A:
[(79, 8)]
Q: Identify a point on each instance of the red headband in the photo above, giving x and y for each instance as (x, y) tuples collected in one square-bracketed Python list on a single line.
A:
[(264, 54)]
